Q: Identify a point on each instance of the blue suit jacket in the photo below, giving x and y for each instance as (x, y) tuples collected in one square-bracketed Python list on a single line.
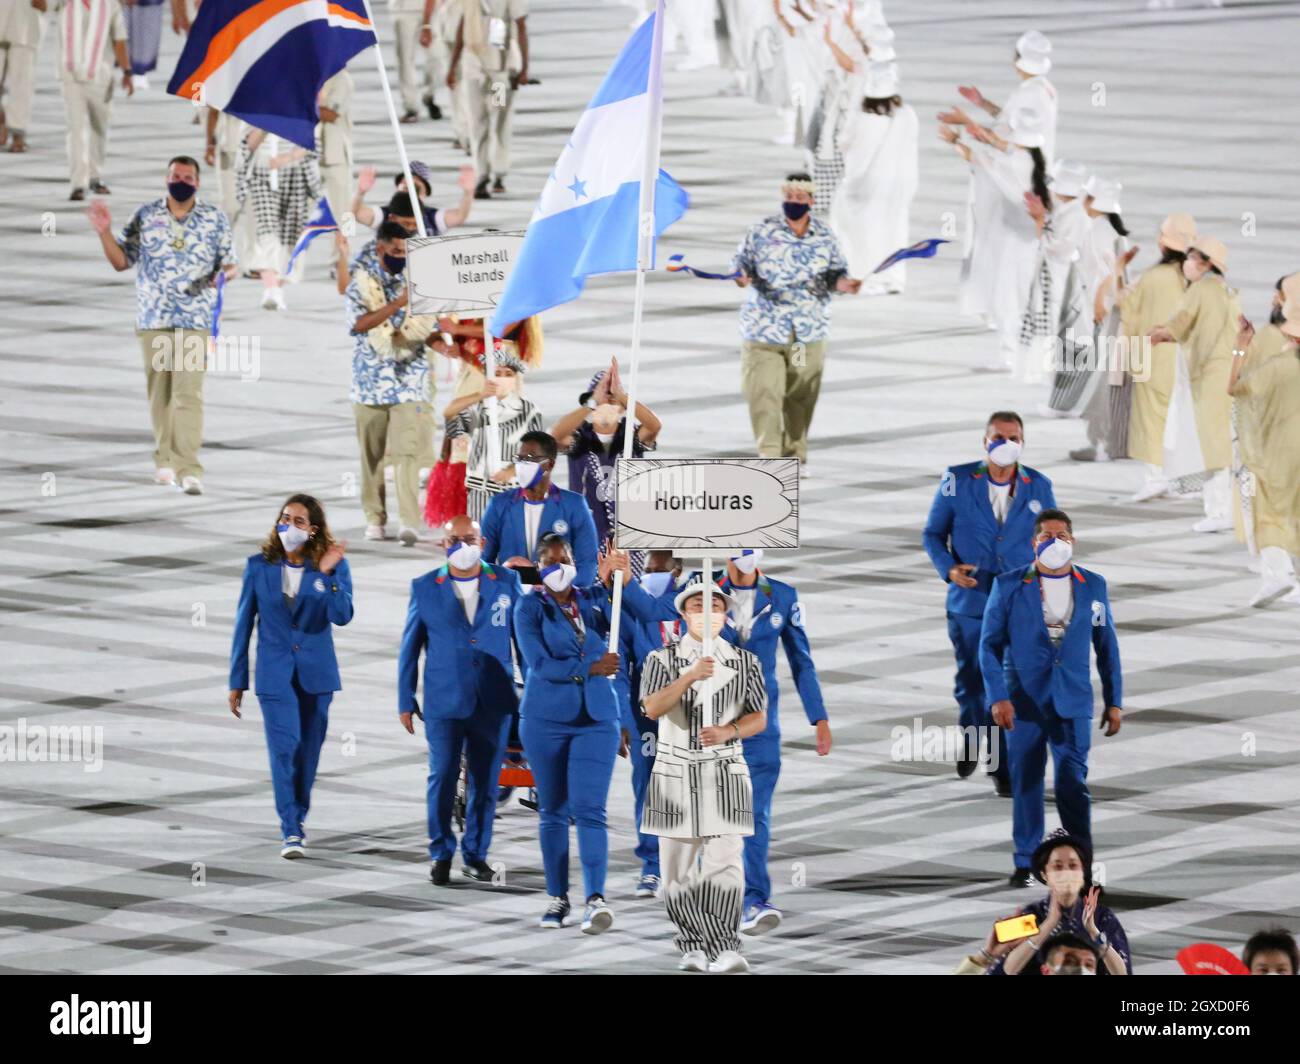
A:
[(287, 642), (1017, 657), (556, 661), (638, 634), (961, 528), (464, 664), (564, 512)]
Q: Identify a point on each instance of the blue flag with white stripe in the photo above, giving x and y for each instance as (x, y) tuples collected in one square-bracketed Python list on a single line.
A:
[(321, 221), (585, 222)]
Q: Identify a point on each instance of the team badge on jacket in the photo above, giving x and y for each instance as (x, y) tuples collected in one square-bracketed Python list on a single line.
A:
[(319, 585), (775, 620), (561, 527), (1035, 506)]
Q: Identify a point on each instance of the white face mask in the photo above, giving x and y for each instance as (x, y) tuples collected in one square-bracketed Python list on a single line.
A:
[(656, 584), (1003, 452), (1055, 553), (465, 555), (747, 563), (559, 577), (528, 473), (1065, 880), (292, 537), (695, 622), (606, 437), (1071, 969)]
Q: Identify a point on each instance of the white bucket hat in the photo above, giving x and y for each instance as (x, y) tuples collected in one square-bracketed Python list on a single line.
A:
[(1033, 53), (881, 81), (1105, 194), (1068, 177), (880, 45), (696, 587)]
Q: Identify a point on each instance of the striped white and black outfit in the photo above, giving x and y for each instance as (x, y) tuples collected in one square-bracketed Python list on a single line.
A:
[(515, 416), (700, 799)]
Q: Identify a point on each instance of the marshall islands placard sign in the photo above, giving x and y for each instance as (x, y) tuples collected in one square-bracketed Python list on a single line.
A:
[(460, 274), (706, 505)]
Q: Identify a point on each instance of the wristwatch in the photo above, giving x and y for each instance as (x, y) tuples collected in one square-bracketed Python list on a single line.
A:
[(1101, 943)]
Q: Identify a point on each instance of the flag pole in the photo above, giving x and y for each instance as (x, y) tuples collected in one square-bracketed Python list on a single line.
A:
[(397, 126), (645, 251)]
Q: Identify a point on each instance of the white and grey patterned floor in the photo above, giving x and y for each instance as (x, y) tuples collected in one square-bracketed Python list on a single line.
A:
[(118, 596)]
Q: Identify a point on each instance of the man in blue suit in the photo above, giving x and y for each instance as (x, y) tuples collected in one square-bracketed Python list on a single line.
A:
[(516, 521), (1034, 653), (461, 616), (981, 524)]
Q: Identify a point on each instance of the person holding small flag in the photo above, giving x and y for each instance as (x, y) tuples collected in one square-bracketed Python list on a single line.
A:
[(792, 264)]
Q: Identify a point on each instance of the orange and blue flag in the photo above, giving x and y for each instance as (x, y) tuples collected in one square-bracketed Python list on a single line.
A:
[(265, 60)]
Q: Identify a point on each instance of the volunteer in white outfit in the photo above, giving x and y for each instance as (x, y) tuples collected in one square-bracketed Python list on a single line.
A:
[(1032, 63), (694, 20), (700, 798), (92, 40), (805, 61), (1205, 328), (22, 25), (1057, 297), (1006, 248), (1105, 254), (870, 213)]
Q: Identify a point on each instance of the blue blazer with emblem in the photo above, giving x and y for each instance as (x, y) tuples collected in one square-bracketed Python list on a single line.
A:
[(1020, 663), (564, 512), (290, 641), (961, 528), (464, 664), (556, 660)]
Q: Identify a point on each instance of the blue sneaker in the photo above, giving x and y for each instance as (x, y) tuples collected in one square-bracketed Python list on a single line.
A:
[(647, 886), (293, 848), (759, 918), (599, 917), (556, 914)]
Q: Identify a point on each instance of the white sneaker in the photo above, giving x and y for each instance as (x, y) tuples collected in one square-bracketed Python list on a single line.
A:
[(729, 962), (192, 486), (598, 917), (693, 961), (759, 918), (280, 304), (269, 302), (1212, 524), (1152, 489), (1271, 589), (376, 532), (293, 848), (165, 476)]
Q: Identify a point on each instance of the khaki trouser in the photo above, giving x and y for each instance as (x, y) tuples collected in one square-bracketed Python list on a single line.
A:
[(17, 67), (781, 383), (336, 181), (87, 104), (409, 423), (174, 382), (414, 73), (490, 107)]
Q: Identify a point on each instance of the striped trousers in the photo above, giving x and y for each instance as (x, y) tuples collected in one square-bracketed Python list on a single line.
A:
[(703, 884)]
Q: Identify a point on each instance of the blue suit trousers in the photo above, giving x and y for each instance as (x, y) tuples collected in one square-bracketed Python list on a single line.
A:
[(763, 755), (482, 737), (968, 686), (642, 734), (295, 721), (1027, 744)]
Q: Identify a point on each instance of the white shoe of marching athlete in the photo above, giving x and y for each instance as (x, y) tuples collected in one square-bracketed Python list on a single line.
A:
[(165, 476), (694, 961), (729, 962), (1271, 589), (280, 304), (759, 918), (192, 486), (1152, 489), (1212, 524), (376, 532), (269, 301), (293, 848)]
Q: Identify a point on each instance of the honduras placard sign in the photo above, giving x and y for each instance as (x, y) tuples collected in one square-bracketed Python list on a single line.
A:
[(706, 505), (460, 274)]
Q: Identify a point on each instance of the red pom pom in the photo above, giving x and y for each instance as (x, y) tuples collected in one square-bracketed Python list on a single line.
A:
[(445, 497)]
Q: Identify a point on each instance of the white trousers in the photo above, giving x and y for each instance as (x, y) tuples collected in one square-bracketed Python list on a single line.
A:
[(87, 104), (17, 76), (1217, 494), (704, 887)]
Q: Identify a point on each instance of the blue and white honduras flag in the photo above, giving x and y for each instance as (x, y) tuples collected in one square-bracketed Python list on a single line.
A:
[(586, 219)]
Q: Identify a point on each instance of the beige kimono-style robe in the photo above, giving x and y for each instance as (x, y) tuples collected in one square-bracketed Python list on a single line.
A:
[(1146, 305), (1267, 395), (1205, 325)]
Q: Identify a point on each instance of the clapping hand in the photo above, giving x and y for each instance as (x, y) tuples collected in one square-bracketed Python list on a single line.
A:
[(1245, 332), (331, 558)]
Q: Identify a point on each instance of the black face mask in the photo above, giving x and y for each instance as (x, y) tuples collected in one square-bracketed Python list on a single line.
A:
[(180, 191), (394, 263), (795, 211)]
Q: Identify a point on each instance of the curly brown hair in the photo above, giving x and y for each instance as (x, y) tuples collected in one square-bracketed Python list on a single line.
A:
[(315, 547)]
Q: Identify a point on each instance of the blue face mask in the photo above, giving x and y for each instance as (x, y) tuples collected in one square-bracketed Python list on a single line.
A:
[(394, 263), (795, 211), (180, 191), (655, 584)]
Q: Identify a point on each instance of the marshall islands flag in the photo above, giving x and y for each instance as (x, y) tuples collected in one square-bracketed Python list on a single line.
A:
[(266, 60), (585, 222)]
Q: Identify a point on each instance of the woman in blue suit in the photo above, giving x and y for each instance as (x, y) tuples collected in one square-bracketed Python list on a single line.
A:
[(295, 589), (570, 725)]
